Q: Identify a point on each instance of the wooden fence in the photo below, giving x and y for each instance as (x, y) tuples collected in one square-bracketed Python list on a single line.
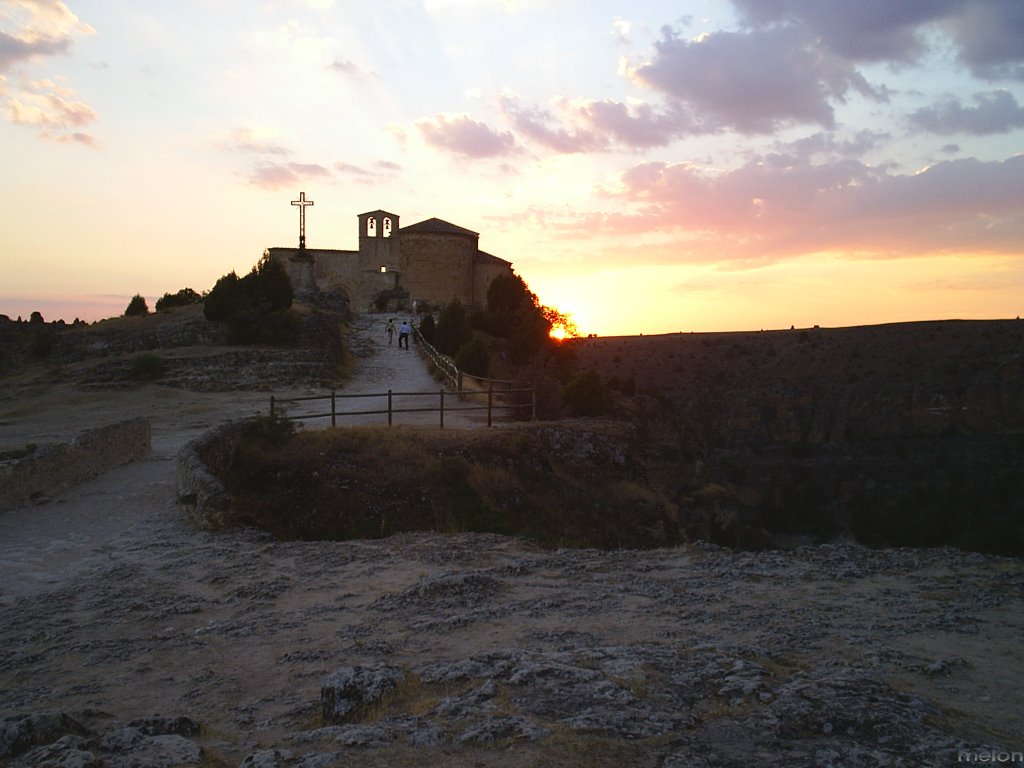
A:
[(497, 400), (491, 395)]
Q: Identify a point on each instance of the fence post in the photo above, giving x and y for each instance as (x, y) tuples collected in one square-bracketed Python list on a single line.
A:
[(334, 422), (490, 398), (389, 407), (442, 408), (271, 405)]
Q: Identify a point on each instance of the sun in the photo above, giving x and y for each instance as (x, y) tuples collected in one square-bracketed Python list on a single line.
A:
[(558, 332)]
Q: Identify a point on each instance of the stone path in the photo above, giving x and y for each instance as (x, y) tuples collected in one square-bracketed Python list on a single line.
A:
[(380, 367)]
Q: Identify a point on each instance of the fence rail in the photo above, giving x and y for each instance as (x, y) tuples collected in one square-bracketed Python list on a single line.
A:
[(493, 403), (466, 388)]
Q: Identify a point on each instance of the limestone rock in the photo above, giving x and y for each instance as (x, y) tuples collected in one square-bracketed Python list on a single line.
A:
[(350, 690)]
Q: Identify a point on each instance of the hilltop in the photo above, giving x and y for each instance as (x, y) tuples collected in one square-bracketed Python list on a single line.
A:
[(909, 433), (133, 638)]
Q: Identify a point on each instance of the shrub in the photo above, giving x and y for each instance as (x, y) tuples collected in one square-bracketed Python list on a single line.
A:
[(255, 306), (585, 395), (225, 299), (274, 429), (473, 357), (42, 344), (183, 298), (137, 307), (147, 367), (428, 329), (453, 328)]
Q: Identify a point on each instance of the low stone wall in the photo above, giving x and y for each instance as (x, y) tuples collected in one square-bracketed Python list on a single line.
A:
[(56, 468), (199, 491)]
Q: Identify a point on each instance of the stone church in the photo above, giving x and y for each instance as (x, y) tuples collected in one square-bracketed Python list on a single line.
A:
[(432, 261)]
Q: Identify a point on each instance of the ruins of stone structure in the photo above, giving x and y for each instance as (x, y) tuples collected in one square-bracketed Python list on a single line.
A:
[(432, 261)]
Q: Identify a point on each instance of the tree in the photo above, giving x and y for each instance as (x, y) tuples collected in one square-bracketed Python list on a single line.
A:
[(255, 307), (473, 357), (453, 328), (137, 307), (183, 298), (585, 395), (428, 328)]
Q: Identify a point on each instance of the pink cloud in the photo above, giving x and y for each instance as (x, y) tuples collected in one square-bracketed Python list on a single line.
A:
[(768, 211), (278, 175), (461, 135)]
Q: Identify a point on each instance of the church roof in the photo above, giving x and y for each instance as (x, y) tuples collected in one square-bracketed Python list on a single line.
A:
[(486, 258), (437, 226)]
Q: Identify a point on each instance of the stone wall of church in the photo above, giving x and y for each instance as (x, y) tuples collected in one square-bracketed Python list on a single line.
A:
[(337, 271), (438, 267)]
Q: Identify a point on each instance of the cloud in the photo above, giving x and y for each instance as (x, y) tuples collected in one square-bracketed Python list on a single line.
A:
[(351, 69), (621, 29), (866, 30), (767, 211), (590, 125), (464, 136), (14, 50), (51, 109), (542, 127), (752, 82), (36, 29), (382, 170), (996, 112), (251, 140), (987, 33), (277, 175)]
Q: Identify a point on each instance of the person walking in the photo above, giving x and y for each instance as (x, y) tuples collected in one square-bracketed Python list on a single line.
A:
[(403, 334), (390, 329)]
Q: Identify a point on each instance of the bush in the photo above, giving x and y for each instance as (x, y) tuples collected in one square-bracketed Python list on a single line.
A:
[(428, 329), (273, 429), (473, 357), (255, 306), (183, 298), (147, 367), (453, 329), (137, 307), (585, 395)]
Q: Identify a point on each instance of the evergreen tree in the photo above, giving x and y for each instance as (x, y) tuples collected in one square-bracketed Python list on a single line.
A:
[(137, 307)]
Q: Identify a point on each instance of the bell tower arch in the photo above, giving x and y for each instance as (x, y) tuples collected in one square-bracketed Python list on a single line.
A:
[(378, 241)]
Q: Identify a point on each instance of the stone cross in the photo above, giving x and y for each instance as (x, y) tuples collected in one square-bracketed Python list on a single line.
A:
[(302, 202)]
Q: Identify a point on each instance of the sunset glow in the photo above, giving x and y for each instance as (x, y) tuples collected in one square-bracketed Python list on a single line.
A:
[(673, 166)]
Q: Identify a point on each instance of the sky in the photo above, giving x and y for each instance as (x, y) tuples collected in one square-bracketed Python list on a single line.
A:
[(647, 167)]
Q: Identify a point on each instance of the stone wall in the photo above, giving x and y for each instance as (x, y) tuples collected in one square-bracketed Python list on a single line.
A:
[(199, 491), (56, 468), (439, 267)]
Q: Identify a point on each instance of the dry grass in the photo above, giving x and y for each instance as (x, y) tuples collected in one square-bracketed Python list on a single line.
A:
[(552, 483)]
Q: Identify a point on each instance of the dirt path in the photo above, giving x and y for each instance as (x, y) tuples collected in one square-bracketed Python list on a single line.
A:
[(112, 609), (416, 394), (45, 545)]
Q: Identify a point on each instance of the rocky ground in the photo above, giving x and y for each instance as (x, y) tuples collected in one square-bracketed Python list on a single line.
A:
[(128, 638)]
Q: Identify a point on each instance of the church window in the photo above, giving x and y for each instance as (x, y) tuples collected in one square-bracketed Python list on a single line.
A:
[(387, 226), (371, 227), (383, 268)]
